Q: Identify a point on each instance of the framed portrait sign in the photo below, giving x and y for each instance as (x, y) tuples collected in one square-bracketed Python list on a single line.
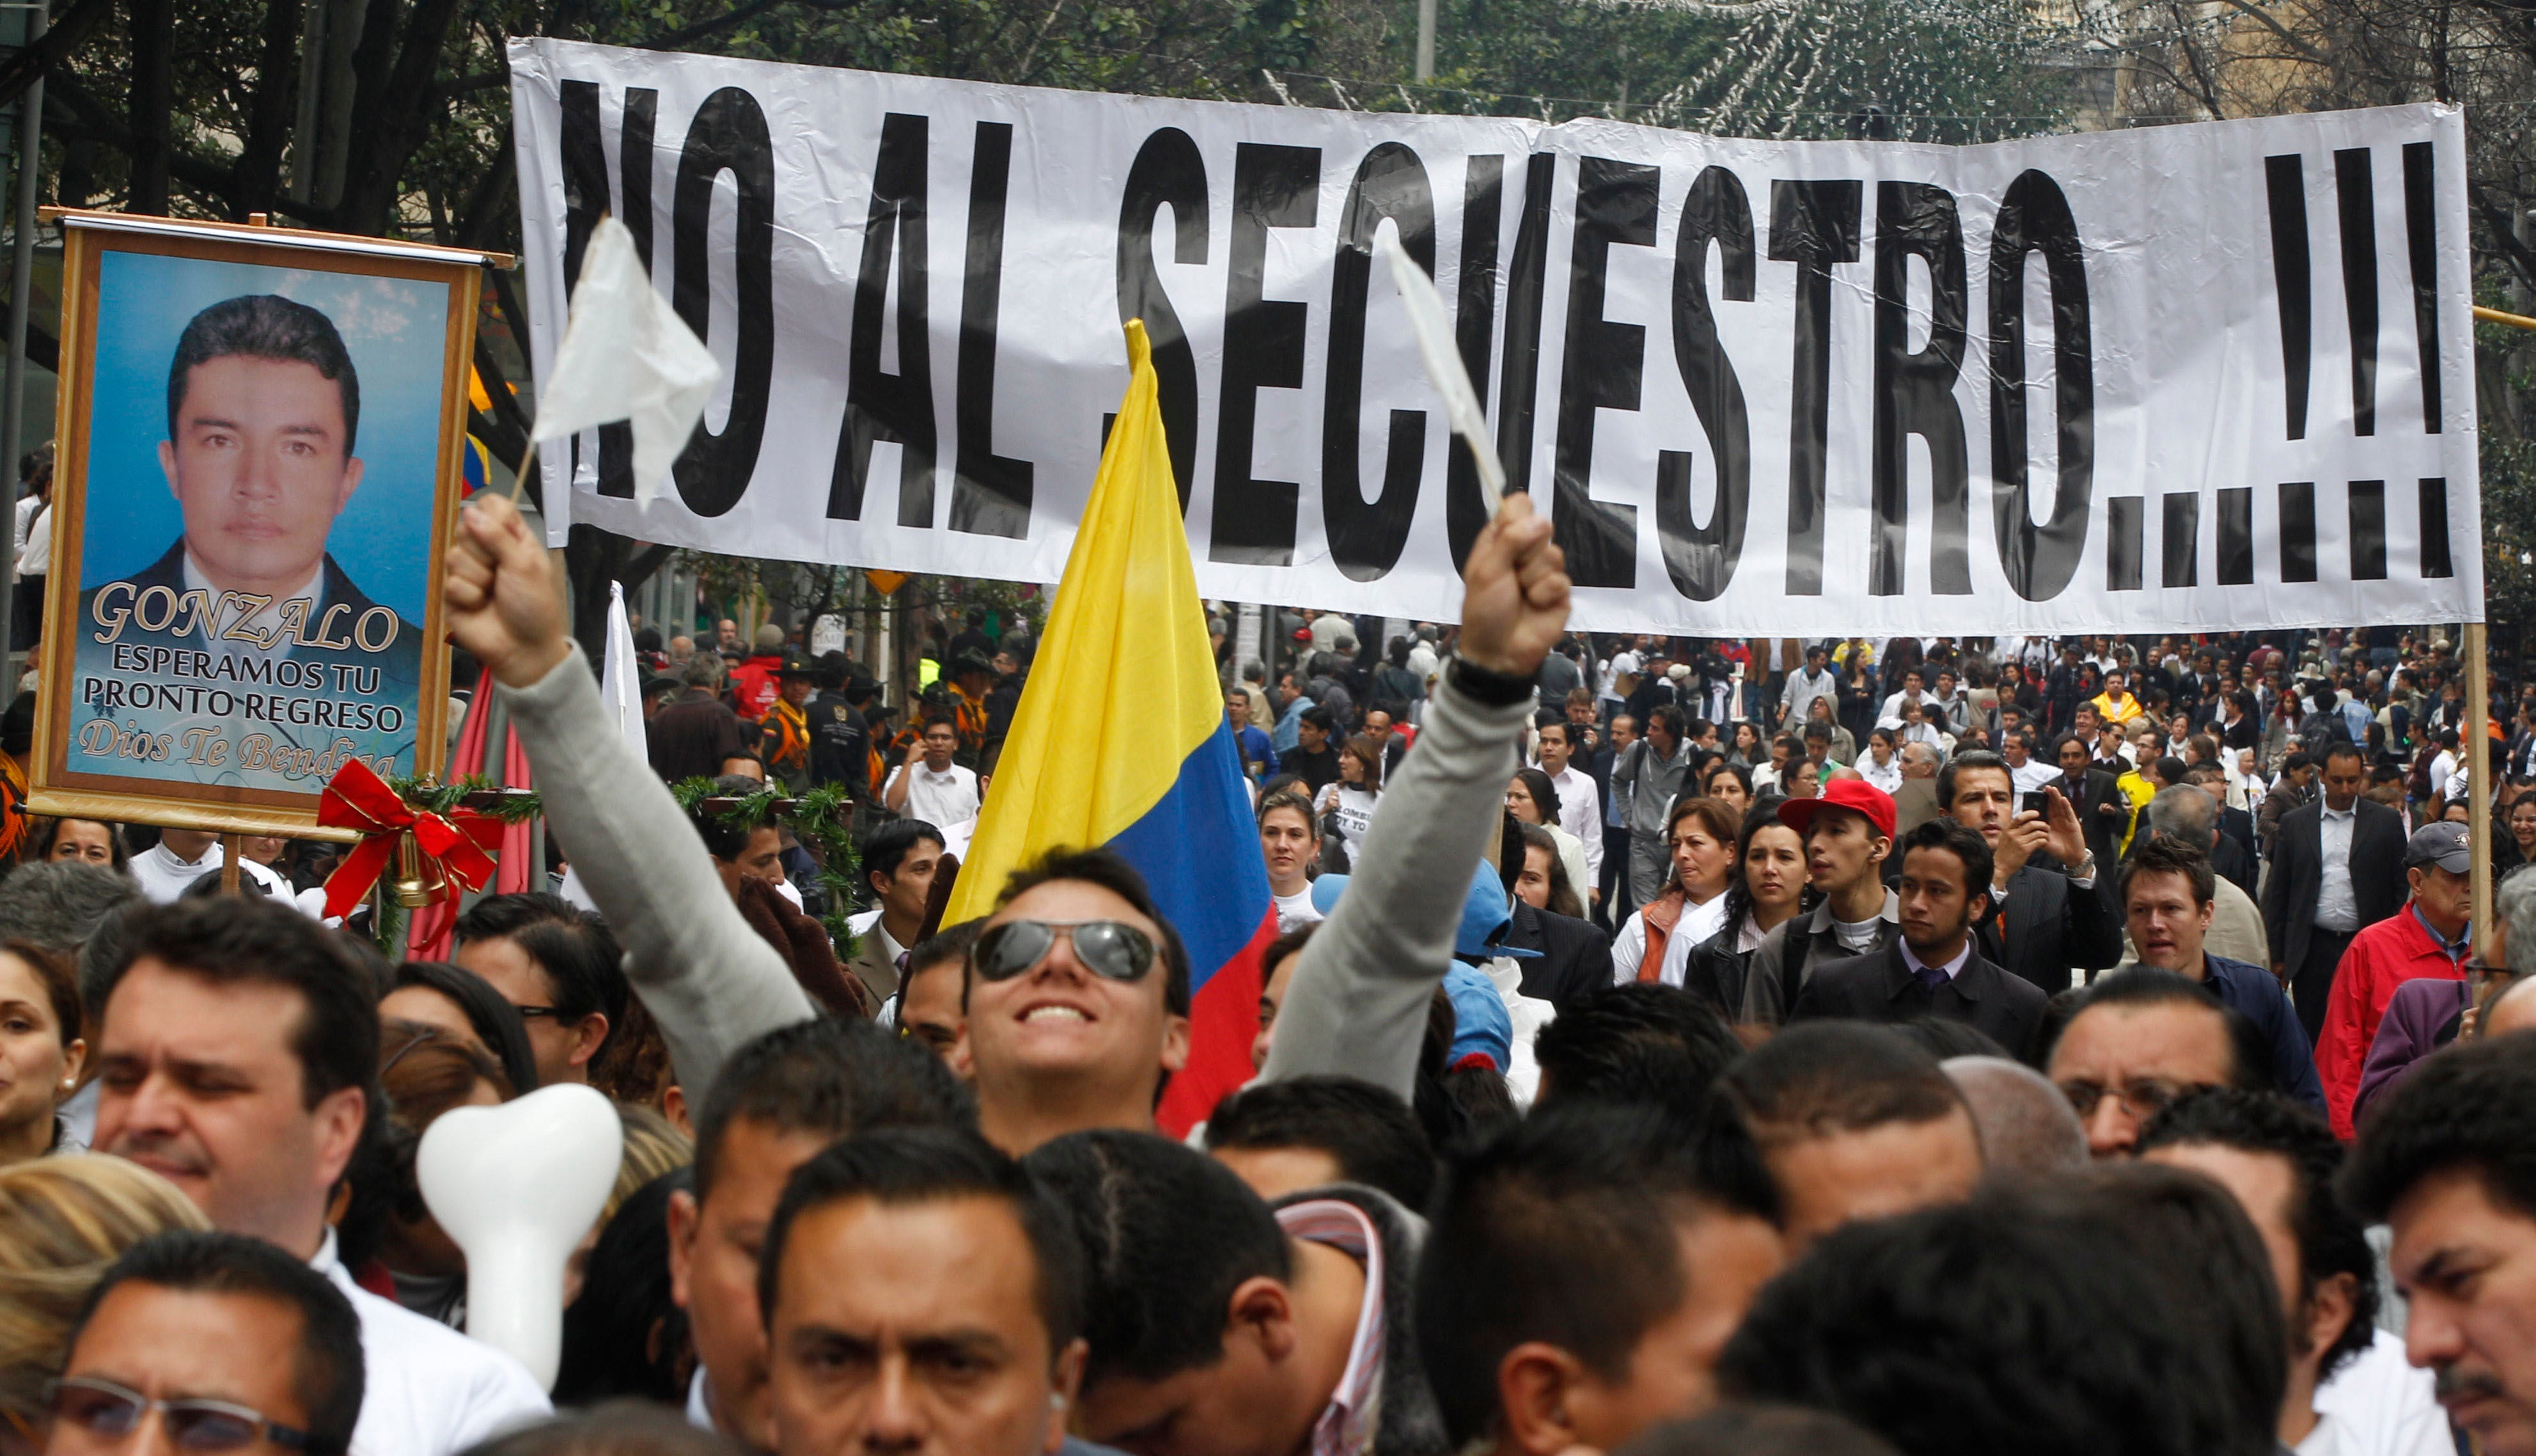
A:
[(256, 470)]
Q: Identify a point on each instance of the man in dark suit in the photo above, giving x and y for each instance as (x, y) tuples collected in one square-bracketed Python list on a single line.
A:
[(2337, 868), (2052, 905), (1934, 969), (2103, 809), (1574, 956)]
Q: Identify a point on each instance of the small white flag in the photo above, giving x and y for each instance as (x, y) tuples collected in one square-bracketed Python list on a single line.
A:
[(620, 698), (626, 355), (1443, 361)]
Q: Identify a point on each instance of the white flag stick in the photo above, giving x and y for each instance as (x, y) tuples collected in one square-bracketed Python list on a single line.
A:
[(1443, 361)]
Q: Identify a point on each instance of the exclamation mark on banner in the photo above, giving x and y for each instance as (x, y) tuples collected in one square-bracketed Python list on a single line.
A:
[(2285, 185), (2420, 236), (2356, 194)]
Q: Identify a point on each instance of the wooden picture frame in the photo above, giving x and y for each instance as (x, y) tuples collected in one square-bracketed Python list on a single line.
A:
[(179, 694)]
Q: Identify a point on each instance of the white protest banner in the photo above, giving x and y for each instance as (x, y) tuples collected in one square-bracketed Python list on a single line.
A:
[(2151, 380)]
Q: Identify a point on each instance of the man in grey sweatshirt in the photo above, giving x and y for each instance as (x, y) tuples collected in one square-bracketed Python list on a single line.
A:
[(1360, 993)]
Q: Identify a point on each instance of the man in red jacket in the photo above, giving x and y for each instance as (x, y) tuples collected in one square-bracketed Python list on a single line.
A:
[(753, 685), (2430, 937)]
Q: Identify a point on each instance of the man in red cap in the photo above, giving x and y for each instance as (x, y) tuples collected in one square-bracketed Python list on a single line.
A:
[(1847, 830), (1937, 970)]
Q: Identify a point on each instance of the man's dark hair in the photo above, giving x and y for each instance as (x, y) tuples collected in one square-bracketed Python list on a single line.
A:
[(2344, 748), (2200, 1248), (266, 326), (613, 1427), (831, 1079), (1745, 1430), (1639, 1043), (1673, 720), (1367, 1130), (623, 1334), (1977, 1328), (496, 1022), (1111, 872), (1965, 762), (1167, 1235), (250, 942), (572, 947), (2331, 1238), (1817, 732), (2139, 987), (327, 1373), (1966, 845), (1320, 718), (2297, 760), (2463, 1110), (888, 847), (2160, 854), (1560, 1227), (899, 1165), (1818, 1077), (949, 946), (725, 839)]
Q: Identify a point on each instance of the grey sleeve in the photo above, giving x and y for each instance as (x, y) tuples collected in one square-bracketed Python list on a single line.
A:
[(706, 976), (1358, 1004)]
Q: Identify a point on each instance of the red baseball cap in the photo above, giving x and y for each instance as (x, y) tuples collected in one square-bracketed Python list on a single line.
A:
[(1842, 794)]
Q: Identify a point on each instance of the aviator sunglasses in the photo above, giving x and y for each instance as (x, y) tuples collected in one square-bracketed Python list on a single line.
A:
[(1106, 948)]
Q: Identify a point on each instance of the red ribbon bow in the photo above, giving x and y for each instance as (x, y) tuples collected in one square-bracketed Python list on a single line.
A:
[(461, 845)]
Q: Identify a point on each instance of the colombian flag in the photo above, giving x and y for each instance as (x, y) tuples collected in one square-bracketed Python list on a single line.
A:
[(1120, 740)]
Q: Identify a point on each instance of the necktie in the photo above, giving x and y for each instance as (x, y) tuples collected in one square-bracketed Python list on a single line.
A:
[(901, 962), (1930, 977)]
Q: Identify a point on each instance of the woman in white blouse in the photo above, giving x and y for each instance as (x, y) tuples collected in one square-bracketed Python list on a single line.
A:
[(1656, 942)]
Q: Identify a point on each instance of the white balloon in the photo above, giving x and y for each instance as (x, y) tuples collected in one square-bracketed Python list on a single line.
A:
[(516, 1186)]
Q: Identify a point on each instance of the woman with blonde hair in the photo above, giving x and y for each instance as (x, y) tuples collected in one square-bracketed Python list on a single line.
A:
[(62, 1222)]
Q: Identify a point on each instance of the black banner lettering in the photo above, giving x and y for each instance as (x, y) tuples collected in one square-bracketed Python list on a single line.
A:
[(990, 494), (1366, 539), (1813, 225), (1601, 368), (1263, 349), (881, 405), (729, 134), (1168, 172), (1915, 389), (2035, 218), (1701, 559)]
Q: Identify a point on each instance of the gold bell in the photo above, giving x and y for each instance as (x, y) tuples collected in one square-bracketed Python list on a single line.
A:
[(419, 881)]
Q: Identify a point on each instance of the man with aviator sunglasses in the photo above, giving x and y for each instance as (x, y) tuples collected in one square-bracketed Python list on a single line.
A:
[(1057, 1046), (223, 1342)]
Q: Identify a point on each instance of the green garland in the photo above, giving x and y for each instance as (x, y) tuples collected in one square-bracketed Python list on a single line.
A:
[(824, 816)]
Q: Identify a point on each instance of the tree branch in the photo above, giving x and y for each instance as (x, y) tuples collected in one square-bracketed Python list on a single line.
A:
[(70, 30)]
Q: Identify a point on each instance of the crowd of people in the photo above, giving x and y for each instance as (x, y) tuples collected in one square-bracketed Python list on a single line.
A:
[(1672, 1047)]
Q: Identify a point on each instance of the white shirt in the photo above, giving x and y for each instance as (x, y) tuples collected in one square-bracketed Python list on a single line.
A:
[(1952, 967), (2335, 910), (2444, 767), (1698, 923), (36, 555), (2036, 774), (162, 876), (1527, 1015), (1296, 910), (1886, 775), (1581, 813), (2382, 1406), (429, 1390), (947, 797)]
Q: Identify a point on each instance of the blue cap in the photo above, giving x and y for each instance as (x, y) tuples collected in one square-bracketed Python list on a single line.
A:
[(1326, 891), (1486, 913), (1480, 1020)]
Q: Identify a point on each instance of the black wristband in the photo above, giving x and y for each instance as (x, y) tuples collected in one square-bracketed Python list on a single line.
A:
[(1493, 688)]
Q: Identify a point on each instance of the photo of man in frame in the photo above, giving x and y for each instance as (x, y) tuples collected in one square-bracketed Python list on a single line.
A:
[(263, 425)]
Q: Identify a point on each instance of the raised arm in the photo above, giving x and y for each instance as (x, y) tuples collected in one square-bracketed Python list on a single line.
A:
[(704, 974), (1357, 1006)]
